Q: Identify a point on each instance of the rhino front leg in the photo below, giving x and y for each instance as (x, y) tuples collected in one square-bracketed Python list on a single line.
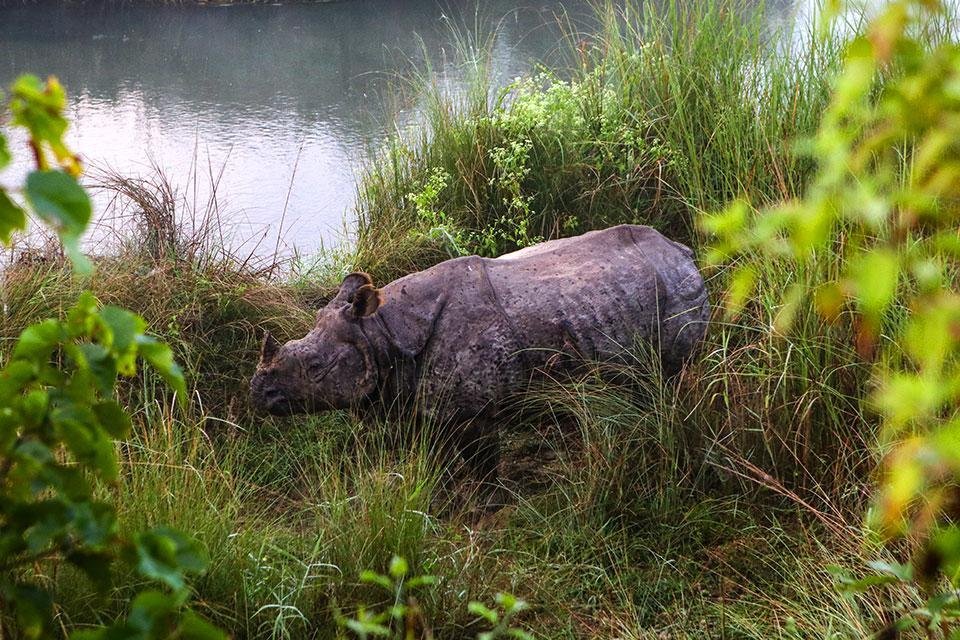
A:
[(480, 450)]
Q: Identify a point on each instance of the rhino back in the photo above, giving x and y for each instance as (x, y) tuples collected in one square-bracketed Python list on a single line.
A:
[(600, 291)]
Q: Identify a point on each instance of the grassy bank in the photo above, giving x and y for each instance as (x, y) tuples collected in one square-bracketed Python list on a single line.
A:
[(708, 506)]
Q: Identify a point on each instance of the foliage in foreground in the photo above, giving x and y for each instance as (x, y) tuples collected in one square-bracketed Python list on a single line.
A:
[(59, 420), (878, 224)]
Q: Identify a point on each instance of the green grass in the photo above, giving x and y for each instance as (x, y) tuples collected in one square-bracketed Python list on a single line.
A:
[(707, 506)]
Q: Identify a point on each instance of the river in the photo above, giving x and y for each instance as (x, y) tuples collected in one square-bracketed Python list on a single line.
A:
[(280, 103)]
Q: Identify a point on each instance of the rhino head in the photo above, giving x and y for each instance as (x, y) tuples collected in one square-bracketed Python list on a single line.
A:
[(332, 367)]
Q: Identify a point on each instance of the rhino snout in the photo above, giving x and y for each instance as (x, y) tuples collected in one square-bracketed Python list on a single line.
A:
[(269, 396)]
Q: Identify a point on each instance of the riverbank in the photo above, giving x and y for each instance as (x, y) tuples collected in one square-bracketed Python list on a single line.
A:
[(710, 506)]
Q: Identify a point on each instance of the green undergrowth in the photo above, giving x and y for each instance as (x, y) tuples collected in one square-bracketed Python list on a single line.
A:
[(710, 505)]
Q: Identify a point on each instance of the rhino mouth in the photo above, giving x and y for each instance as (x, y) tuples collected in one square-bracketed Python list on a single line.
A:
[(270, 398), (276, 403)]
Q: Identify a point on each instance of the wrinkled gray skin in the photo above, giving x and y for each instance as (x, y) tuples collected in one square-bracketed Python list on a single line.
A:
[(454, 341)]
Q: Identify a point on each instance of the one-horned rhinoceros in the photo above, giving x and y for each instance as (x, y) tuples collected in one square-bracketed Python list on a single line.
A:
[(456, 340)]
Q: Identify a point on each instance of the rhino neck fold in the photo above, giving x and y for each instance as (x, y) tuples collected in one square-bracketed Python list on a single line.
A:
[(397, 337)]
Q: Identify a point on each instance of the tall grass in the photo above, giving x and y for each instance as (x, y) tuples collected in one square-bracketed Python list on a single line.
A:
[(671, 109), (707, 505)]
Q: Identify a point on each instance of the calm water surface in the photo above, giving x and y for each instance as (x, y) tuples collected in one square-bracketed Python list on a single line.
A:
[(284, 101)]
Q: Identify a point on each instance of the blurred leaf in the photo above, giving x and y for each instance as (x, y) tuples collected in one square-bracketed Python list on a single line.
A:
[(372, 577), (165, 555), (113, 418), (933, 332), (5, 156), (398, 568), (151, 612), (160, 357), (742, 285), (363, 629), (32, 607), (874, 276), (421, 581), (787, 313), (61, 202), (482, 611), (38, 341), (124, 327), (828, 299), (38, 106), (12, 217), (510, 603), (902, 572), (905, 398), (96, 566), (193, 627), (99, 362)]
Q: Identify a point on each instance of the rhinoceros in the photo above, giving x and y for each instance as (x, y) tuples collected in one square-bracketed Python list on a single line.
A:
[(455, 341)]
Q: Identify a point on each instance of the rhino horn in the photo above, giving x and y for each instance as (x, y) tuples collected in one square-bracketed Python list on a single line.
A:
[(268, 349), (350, 285)]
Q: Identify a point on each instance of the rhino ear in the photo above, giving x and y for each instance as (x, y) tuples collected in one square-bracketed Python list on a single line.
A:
[(268, 348), (366, 300), (350, 285)]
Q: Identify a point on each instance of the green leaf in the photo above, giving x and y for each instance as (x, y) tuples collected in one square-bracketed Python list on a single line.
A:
[(82, 316), (421, 581), (39, 106), (874, 276), (33, 407), (372, 577), (33, 608), (5, 156), (482, 611), (99, 362), (194, 627), (742, 286), (15, 377), (165, 555), (96, 566), (510, 603), (398, 568), (160, 357), (902, 572), (60, 201), (12, 217), (859, 586), (95, 524), (124, 327), (151, 611), (113, 418), (364, 629), (76, 425), (38, 341), (786, 315)]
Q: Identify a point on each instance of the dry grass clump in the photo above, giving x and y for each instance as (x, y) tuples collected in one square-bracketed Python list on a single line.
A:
[(172, 267)]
